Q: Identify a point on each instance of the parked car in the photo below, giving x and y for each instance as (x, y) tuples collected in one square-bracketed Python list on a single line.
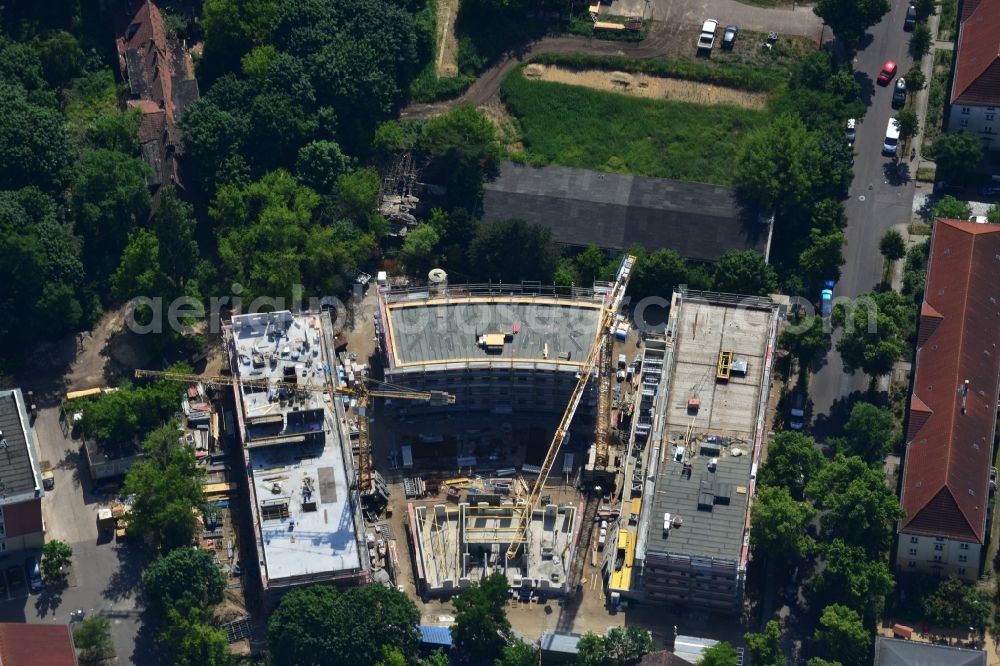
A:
[(826, 301), (33, 574), (729, 37), (852, 131), (899, 93), (797, 409), (911, 18), (888, 71), (707, 38), (891, 143)]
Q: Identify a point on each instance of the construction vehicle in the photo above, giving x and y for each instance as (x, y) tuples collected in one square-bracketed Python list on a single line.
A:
[(370, 484), (612, 302)]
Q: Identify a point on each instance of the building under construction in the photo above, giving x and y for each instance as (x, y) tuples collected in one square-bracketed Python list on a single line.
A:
[(304, 502), (511, 355), (455, 546), (693, 454)]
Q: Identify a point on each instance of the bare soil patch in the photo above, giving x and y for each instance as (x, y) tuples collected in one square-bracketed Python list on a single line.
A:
[(447, 43), (505, 124), (652, 87)]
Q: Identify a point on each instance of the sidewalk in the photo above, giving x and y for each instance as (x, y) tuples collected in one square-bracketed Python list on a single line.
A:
[(920, 103)]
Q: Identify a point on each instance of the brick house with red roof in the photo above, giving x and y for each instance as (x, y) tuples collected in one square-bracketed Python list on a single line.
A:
[(160, 76), (975, 90), (946, 487), (36, 645)]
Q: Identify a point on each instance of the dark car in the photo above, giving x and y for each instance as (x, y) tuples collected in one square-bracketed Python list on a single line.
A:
[(899, 94), (911, 18), (33, 574), (729, 37), (797, 409)]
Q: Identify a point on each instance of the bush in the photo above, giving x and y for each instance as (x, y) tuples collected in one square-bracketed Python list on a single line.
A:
[(915, 80), (93, 639), (429, 87)]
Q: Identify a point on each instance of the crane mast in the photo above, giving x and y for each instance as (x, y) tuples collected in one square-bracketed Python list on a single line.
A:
[(612, 303)]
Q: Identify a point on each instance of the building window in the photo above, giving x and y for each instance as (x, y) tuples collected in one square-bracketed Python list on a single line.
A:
[(3, 546), (939, 538), (937, 558), (914, 539), (963, 123), (939, 546), (963, 546), (989, 116), (988, 129), (991, 108), (961, 571), (965, 110), (911, 564), (963, 558), (913, 551)]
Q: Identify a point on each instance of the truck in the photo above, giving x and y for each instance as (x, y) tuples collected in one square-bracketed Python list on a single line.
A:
[(48, 478), (706, 40)]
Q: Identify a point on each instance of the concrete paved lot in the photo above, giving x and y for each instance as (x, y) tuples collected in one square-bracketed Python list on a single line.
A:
[(105, 577)]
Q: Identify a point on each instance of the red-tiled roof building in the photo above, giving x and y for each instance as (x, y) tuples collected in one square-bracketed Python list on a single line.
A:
[(160, 76), (975, 90), (36, 645), (949, 438)]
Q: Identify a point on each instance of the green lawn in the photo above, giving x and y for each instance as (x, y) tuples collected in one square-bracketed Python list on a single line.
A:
[(580, 127)]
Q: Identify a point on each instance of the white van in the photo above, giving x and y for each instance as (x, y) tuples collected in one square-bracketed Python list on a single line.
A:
[(891, 138)]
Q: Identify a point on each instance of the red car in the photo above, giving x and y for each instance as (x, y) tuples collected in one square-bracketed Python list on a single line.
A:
[(887, 73)]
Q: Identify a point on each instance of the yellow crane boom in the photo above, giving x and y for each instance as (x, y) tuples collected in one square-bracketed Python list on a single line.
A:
[(612, 303), (361, 392)]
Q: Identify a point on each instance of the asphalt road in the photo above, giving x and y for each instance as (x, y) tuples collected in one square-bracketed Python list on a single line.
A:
[(880, 196), (104, 577)]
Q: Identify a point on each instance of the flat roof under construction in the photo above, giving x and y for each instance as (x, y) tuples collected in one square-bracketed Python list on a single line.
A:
[(499, 330), (708, 507), (296, 447)]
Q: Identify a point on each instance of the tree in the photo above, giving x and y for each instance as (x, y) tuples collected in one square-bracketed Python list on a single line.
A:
[(464, 147), (857, 505), (55, 557), (419, 249), (793, 460), (842, 637), (184, 578), (93, 639), (924, 9), (491, 258), (876, 329), (850, 19), (850, 577), (518, 653), (950, 208), (957, 155), (590, 651), (627, 645), (720, 654), (318, 625), (781, 164), (193, 641), (234, 27), (915, 79), (320, 164), (957, 605), (657, 274), (60, 55), (213, 139), (778, 525), (920, 41), (892, 246), (139, 272), (906, 120), (822, 259), (481, 627), (869, 434), (744, 272), (115, 130), (590, 264), (174, 225), (993, 214), (167, 490), (820, 661), (34, 148), (110, 197), (807, 340), (765, 648)]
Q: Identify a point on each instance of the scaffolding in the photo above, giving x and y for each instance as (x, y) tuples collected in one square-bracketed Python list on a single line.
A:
[(396, 197)]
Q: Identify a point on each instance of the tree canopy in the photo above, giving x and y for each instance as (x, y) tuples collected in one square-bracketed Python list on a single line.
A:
[(877, 327), (892, 246), (318, 625), (850, 19), (950, 208), (868, 433), (744, 272), (184, 578), (793, 460), (481, 628), (957, 155), (955, 604), (852, 578), (778, 525), (842, 637), (720, 654), (765, 647), (492, 257)]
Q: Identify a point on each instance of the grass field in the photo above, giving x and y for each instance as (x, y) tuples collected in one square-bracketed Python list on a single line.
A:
[(592, 129)]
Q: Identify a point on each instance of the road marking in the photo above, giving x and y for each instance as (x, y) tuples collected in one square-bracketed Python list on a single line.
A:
[(861, 197)]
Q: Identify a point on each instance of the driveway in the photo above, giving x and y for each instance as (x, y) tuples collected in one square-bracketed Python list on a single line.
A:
[(104, 577), (880, 197), (796, 20)]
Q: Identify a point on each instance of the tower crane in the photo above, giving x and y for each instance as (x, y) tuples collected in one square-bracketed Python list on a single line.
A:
[(612, 303), (365, 389)]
